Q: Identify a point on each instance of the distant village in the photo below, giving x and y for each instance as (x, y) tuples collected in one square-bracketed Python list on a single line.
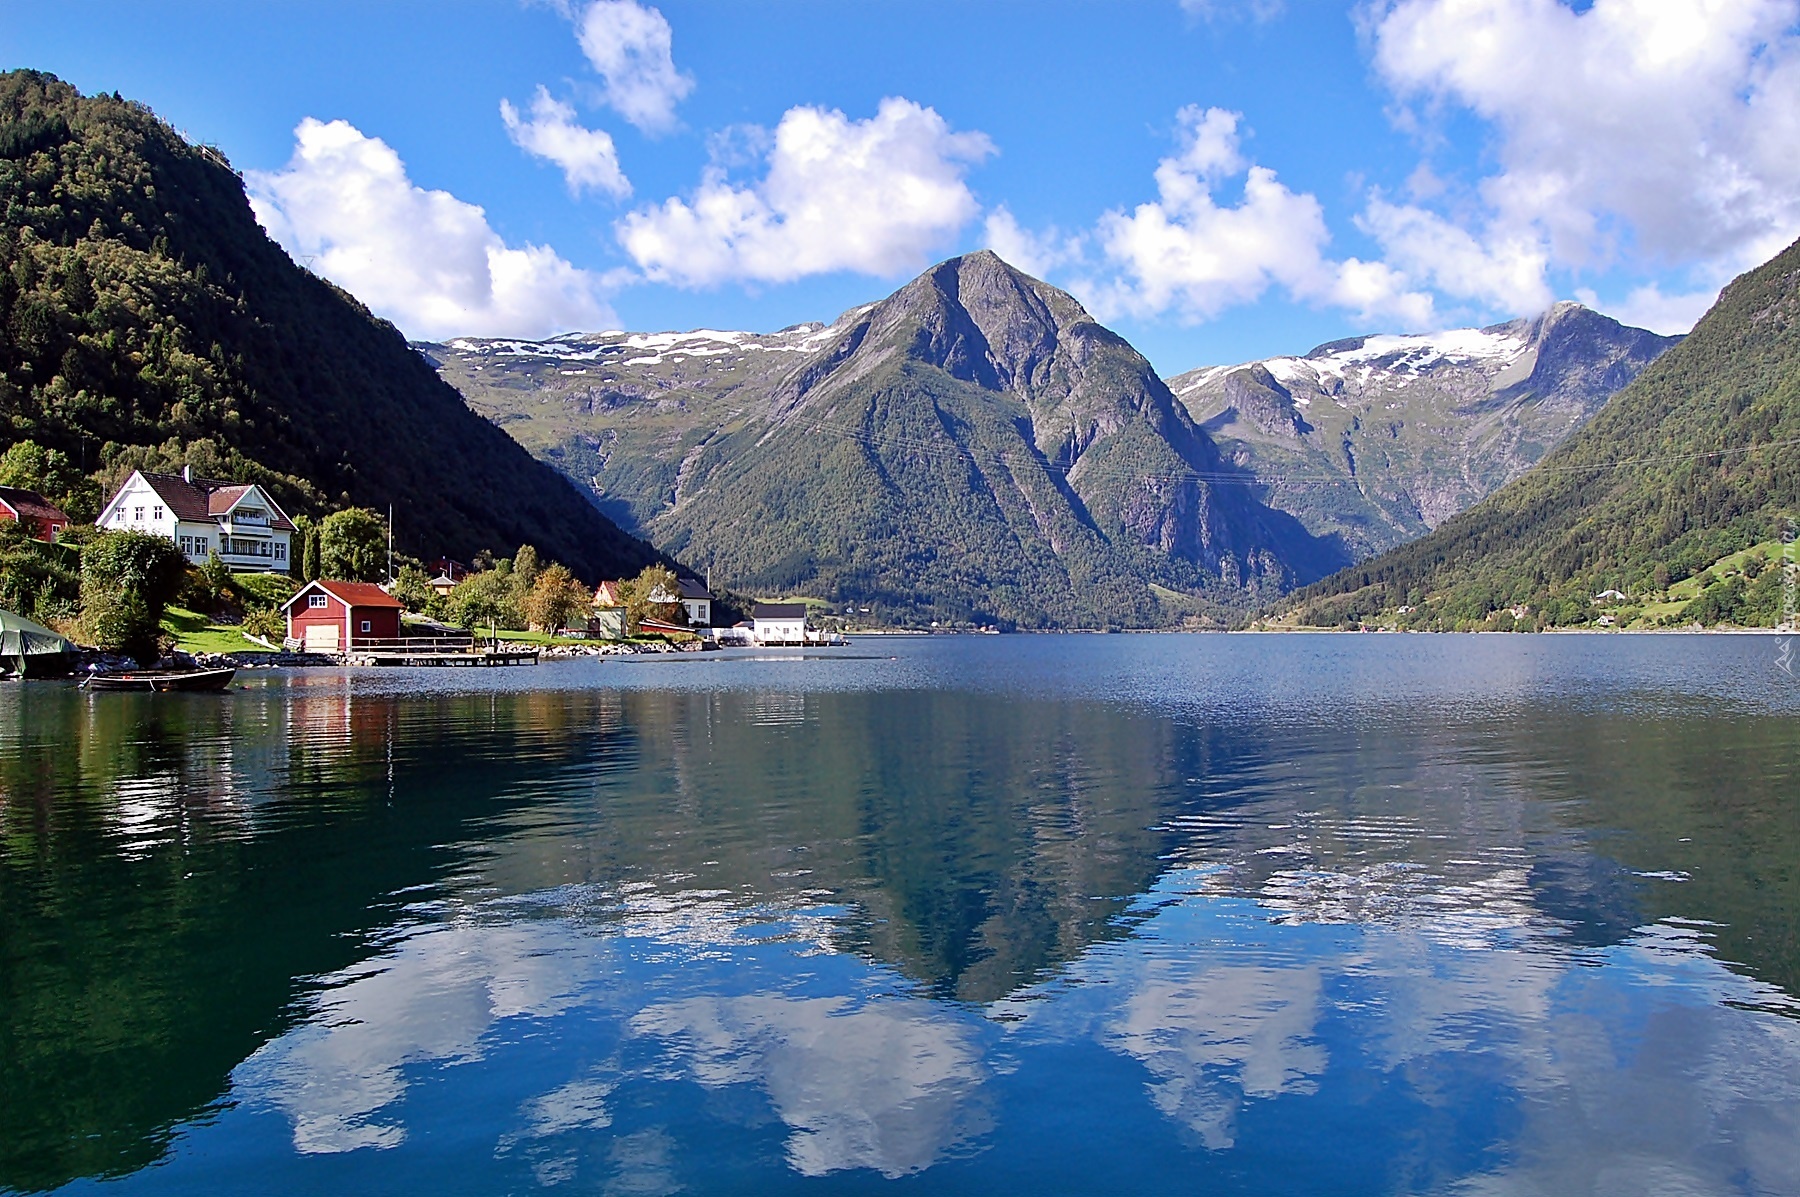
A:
[(333, 587)]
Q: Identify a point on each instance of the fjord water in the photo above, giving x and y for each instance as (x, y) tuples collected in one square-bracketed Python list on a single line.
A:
[(1116, 914)]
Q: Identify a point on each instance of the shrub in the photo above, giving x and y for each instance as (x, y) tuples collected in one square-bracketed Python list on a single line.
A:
[(127, 578), (266, 623)]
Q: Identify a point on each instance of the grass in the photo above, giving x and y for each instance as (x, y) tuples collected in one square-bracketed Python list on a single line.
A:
[(194, 633)]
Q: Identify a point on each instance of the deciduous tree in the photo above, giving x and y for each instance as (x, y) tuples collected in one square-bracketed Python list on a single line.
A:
[(353, 546), (556, 599)]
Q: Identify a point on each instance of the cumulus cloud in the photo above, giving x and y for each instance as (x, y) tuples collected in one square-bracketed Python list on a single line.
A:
[(423, 259), (1503, 273), (1648, 133), (1650, 307), (1034, 253), (1191, 255), (588, 157), (631, 46), (876, 196), (1188, 253)]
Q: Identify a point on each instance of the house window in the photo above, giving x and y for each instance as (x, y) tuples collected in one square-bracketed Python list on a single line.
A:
[(200, 549), (366, 625), (280, 552), (156, 513), (187, 546), (315, 601), (137, 514)]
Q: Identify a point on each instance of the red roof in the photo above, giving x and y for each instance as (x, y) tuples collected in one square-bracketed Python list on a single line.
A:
[(29, 504), (351, 594), (219, 502)]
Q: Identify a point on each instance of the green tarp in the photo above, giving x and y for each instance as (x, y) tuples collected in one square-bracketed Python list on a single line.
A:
[(24, 644)]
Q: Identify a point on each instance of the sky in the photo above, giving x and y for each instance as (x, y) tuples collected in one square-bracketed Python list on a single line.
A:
[(1218, 180)]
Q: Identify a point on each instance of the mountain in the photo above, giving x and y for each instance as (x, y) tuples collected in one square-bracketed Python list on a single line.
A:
[(1380, 439), (147, 320), (974, 448), (1695, 461)]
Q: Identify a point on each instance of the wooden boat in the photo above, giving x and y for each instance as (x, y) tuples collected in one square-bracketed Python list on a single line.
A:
[(161, 679)]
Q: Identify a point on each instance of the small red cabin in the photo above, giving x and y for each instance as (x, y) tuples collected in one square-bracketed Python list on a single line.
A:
[(332, 617), (40, 516)]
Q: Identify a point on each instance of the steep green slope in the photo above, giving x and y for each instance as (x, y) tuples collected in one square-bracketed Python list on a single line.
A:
[(145, 319), (974, 448), (1698, 458)]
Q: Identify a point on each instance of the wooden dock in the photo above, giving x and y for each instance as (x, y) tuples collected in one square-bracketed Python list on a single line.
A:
[(442, 652)]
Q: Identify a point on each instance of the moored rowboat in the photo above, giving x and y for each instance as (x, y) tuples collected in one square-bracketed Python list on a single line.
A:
[(161, 679)]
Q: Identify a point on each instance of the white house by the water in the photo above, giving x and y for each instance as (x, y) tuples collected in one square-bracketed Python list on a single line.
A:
[(778, 623), (240, 522)]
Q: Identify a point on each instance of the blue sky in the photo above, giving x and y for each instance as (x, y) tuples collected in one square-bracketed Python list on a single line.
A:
[(1218, 181)]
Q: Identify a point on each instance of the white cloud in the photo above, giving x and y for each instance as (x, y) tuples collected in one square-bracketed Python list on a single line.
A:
[(1644, 132), (1504, 274), (876, 196), (1649, 307), (1186, 253), (423, 259), (630, 45), (588, 158), (1035, 253)]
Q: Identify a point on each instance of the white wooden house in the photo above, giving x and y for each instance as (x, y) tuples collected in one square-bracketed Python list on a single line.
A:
[(778, 623), (238, 521)]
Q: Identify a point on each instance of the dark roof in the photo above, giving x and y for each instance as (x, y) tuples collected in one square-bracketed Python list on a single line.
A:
[(779, 611), (184, 498), (352, 594), (205, 500), (28, 503), (694, 588)]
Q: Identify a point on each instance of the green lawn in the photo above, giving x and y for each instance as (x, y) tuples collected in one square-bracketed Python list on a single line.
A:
[(194, 633)]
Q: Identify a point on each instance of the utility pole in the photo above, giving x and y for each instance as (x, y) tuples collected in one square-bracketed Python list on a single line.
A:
[(390, 546)]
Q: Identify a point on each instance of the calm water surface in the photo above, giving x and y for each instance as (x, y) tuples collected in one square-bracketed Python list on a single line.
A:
[(1102, 914)]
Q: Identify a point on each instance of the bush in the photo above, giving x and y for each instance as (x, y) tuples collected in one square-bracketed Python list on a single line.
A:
[(127, 578), (266, 623), (37, 580)]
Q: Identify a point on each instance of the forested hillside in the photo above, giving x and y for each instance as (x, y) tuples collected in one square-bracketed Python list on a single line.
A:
[(147, 320), (1696, 460)]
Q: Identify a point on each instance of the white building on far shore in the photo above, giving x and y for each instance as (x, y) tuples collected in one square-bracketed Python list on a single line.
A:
[(778, 623)]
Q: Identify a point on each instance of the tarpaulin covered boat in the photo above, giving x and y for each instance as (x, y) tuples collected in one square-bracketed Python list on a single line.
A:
[(31, 649)]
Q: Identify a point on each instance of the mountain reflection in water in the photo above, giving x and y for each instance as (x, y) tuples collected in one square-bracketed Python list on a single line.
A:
[(1059, 914)]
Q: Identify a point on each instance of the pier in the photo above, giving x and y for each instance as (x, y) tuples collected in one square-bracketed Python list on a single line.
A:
[(438, 652)]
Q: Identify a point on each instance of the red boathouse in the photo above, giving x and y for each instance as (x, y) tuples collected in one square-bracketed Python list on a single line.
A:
[(334, 617)]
